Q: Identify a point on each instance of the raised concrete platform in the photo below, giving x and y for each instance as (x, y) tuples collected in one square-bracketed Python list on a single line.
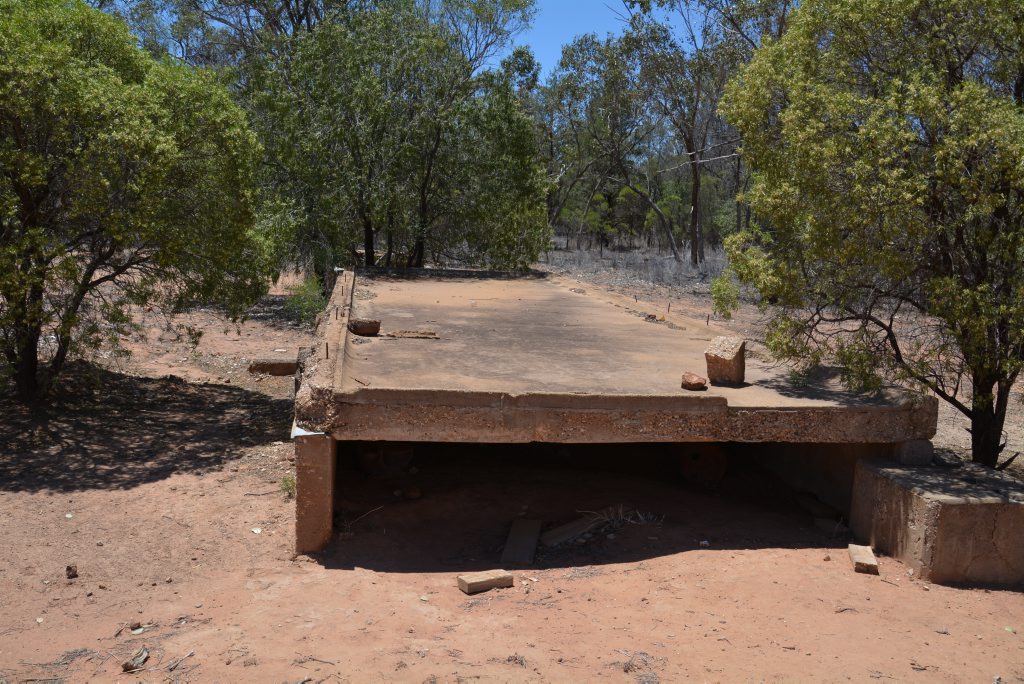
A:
[(951, 525), (539, 359), (531, 359)]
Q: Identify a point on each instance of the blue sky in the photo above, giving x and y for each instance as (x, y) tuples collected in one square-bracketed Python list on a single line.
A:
[(559, 21)]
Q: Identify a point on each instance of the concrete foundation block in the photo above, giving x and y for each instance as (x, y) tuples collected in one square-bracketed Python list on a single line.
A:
[(315, 465), (951, 525), (916, 452)]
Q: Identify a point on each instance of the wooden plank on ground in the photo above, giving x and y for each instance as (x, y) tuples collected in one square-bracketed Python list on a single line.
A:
[(475, 582), (571, 530), (522, 542), (863, 559)]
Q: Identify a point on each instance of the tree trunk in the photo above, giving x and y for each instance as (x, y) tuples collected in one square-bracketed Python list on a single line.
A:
[(26, 370), (368, 258), (26, 345), (988, 415), (739, 205), (696, 248)]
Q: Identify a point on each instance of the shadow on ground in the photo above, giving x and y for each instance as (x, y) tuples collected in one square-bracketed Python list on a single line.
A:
[(108, 430), (466, 497)]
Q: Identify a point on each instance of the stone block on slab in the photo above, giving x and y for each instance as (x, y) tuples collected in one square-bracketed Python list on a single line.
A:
[(726, 358)]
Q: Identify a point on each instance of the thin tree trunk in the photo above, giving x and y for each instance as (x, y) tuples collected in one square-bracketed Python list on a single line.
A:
[(368, 258), (739, 205), (696, 248)]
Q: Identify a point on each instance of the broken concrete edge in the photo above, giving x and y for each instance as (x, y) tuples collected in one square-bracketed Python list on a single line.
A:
[(431, 420), (279, 367), (454, 273), (323, 366)]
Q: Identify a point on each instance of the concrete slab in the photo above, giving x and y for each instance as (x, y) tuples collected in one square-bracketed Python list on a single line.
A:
[(539, 359), (951, 525)]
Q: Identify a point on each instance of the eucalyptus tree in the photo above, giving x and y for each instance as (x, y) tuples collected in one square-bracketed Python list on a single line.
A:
[(886, 139), (603, 104), (686, 60), (379, 114), (123, 180)]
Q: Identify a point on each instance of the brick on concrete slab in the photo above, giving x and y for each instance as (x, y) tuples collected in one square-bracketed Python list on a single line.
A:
[(915, 452), (693, 382), (726, 358), (863, 559), (522, 542), (364, 327), (476, 582)]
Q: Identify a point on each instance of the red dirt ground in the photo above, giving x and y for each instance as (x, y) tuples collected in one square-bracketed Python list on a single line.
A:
[(153, 487)]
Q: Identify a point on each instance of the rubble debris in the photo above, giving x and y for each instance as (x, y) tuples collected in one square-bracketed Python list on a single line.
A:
[(476, 582), (137, 661), (863, 559), (522, 542), (693, 382), (727, 360), (412, 334), (571, 530)]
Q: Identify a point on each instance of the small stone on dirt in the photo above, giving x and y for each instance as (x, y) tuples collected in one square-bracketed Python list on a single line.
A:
[(71, 571)]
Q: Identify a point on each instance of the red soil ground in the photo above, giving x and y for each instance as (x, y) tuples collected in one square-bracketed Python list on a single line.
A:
[(155, 487)]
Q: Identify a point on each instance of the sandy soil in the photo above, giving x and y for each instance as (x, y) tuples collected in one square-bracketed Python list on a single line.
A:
[(165, 493)]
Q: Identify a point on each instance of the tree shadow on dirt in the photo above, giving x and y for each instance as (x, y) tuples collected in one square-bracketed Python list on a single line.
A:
[(109, 430)]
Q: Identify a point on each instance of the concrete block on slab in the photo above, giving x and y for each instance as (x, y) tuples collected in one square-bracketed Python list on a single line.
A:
[(727, 360), (476, 582), (915, 452), (364, 327), (950, 525), (863, 559)]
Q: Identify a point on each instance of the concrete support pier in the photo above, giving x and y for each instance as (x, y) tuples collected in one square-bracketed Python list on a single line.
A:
[(951, 525), (315, 466)]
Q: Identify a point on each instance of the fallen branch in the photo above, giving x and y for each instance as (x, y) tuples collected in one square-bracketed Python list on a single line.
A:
[(1006, 464), (174, 664)]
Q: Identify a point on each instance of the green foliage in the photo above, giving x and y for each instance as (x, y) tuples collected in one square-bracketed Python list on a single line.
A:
[(124, 180), (287, 486), (306, 301), (886, 139), (387, 134)]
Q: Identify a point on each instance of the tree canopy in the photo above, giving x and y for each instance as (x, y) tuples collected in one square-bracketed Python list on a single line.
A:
[(123, 179), (386, 132), (887, 139)]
